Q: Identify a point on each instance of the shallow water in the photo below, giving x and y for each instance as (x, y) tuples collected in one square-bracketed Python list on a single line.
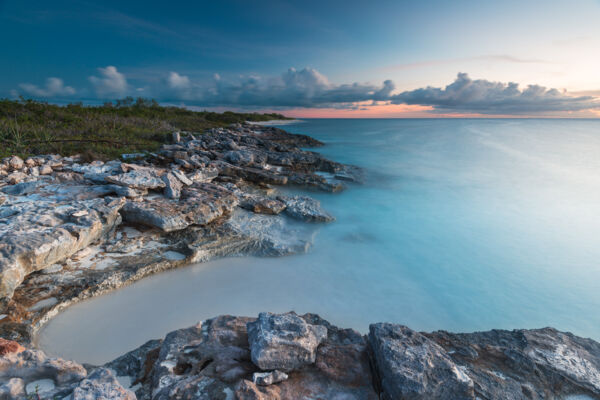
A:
[(462, 225)]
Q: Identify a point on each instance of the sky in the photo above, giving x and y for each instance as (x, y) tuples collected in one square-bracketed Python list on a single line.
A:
[(309, 58)]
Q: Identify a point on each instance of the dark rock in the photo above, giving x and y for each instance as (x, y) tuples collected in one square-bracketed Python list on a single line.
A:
[(412, 366)]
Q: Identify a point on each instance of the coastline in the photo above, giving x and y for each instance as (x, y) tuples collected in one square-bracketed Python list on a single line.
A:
[(224, 211)]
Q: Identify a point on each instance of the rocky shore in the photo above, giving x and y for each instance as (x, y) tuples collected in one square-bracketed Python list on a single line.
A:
[(70, 230), (290, 356)]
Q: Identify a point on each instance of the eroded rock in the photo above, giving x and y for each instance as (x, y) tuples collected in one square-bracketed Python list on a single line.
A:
[(284, 341)]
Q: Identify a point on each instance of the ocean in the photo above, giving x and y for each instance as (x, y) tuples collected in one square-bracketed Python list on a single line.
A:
[(461, 225)]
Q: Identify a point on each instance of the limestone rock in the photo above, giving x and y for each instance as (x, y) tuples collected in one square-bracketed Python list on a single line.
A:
[(31, 365), (101, 384), (284, 341), (15, 162), (14, 388), (268, 378), (40, 235), (200, 204), (305, 208), (204, 175), (172, 186), (411, 366), (138, 179)]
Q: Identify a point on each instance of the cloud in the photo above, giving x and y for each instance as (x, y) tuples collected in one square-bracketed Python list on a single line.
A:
[(178, 82), (54, 87), (486, 97), (295, 88), (111, 82)]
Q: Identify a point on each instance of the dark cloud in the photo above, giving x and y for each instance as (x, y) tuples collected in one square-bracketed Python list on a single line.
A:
[(486, 97), (295, 88)]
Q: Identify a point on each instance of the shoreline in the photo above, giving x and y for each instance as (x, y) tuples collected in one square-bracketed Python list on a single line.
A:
[(214, 195)]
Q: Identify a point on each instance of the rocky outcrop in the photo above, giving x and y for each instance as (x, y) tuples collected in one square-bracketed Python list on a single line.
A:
[(39, 234), (66, 226), (305, 208), (101, 384), (213, 360)]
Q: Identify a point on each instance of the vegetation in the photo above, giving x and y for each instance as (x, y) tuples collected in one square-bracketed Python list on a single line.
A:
[(128, 125)]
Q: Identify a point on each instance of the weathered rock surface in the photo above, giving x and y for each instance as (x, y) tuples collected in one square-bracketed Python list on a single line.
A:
[(305, 208), (411, 366), (212, 361), (101, 384), (40, 234), (285, 342)]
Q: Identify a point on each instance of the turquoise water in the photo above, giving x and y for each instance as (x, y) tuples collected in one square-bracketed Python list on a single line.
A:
[(461, 225)]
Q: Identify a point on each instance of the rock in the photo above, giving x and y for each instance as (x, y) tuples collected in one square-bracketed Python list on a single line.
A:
[(101, 384), (15, 163), (262, 205), (42, 234), (172, 186), (268, 378), (176, 137), (204, 175), (9, 346), (45, 169), (31, 365), (532, 364), (14, 388), (412, 366), (34, 171), (200, 204), (138, 179), (181, 176), (16, 177), (305, 208), (20, 189), (283, 341)]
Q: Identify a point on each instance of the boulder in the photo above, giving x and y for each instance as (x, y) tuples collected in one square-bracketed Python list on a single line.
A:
[(31, 365), (284, 341), (412, 366), (204, 175), (15, 163)]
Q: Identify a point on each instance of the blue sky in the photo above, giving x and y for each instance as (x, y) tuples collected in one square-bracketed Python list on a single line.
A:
[(238, 54)]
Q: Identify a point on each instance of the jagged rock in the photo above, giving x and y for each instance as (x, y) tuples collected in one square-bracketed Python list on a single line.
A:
[(31, 365), (284, 341), (204, 175), (40, 235), (138, 179), (412, 366), (268, 378), (525, 364), (15, 162), (200, 204), (176, 137), (101, 384), (305, 208), (262, 205), (172, 186), (181, 176)]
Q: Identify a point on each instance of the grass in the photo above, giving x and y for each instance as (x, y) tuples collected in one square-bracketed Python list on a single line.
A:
[(30, 127)]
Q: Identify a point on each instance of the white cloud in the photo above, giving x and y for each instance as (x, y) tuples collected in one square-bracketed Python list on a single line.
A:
[(54, 87), (178, 82), (486, 97), (111, 82)]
